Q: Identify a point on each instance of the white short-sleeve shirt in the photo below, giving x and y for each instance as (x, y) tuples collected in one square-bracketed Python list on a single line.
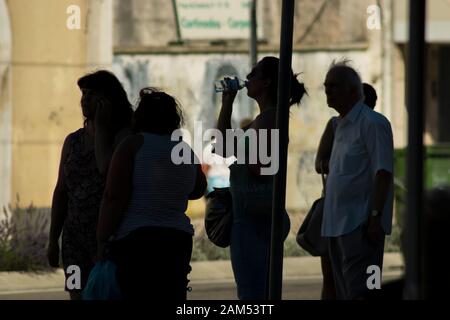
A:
[(363, 145)]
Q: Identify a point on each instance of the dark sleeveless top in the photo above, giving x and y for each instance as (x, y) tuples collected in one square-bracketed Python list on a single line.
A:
[(85, 188)]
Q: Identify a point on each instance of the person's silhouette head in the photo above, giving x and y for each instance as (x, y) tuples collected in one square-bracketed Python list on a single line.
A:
[(370, 95), (157, 112), (263, 82), (104, 84), (343, 86)]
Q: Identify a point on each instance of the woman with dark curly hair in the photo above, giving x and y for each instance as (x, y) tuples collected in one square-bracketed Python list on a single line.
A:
[(85, 156), (144, 204), (113, 113)]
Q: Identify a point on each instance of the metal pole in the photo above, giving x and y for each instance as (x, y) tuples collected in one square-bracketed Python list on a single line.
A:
[(414, 179), (177, 23), (279, 190), (253, 35), (253, 46)]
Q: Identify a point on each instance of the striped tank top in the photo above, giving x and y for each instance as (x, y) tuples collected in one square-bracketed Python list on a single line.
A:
[(160, 188)]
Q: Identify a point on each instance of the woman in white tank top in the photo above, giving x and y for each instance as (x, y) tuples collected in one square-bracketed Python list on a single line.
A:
[(144, 204)]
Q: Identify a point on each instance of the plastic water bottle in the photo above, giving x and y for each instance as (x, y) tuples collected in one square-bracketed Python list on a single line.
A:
[(229, 84)]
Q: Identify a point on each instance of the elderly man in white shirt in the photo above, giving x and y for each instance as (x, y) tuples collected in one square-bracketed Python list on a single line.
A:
[(359, 191)]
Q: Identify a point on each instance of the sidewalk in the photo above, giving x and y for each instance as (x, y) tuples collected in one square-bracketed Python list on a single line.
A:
[(293, 268), (202, 272)]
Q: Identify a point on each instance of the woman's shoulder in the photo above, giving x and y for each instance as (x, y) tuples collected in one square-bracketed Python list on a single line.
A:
[(131, 141), (124, 132), (76, 133), (265, 120), (73, 136), (121, 135)]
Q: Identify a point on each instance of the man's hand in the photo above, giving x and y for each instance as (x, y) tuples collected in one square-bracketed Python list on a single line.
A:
[(53, 254), (374, 230)]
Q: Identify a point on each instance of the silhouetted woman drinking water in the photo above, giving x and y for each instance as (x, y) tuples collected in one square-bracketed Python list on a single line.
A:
[(251, 190)]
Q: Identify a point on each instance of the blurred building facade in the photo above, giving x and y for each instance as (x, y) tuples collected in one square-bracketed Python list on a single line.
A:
[(42, 54), (438, 64), (41, 59)]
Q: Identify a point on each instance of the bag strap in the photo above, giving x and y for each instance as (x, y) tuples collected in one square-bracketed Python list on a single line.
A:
[(324, 179)]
